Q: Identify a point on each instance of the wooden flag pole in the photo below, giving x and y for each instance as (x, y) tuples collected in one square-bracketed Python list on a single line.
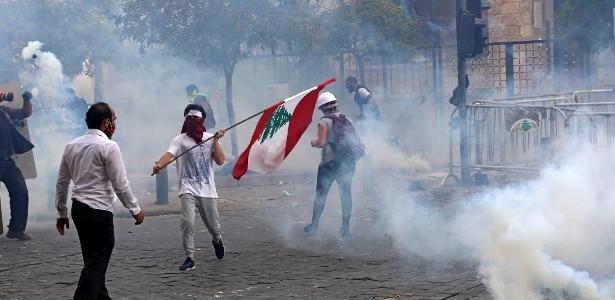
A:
[(202, 142)]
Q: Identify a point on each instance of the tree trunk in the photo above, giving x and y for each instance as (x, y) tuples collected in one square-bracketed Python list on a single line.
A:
[(228, 76)]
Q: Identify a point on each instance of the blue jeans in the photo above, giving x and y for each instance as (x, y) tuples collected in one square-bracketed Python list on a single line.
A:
[(342, 172), (12, 178)]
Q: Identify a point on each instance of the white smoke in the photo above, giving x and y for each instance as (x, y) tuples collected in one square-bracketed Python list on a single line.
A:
[(390, 157), (52, 123), (547, 235), (386, 153), (45, 72), (550, 238)]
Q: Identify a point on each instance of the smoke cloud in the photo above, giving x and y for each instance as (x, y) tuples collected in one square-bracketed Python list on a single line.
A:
[(54, 121), (548, 238), (44, 73)]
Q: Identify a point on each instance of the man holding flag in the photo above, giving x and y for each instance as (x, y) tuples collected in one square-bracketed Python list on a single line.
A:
[(195, 172)]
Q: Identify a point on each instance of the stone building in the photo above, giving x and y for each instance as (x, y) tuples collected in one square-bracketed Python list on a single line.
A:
[(509, 20), (517, 20)]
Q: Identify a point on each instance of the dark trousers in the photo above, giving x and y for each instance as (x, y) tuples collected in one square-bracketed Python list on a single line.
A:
[(97, 238), (342, 172), (12, 178)]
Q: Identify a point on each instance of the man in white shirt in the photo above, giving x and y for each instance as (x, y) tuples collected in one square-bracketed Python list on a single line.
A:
[(197, 188), (94, 164)]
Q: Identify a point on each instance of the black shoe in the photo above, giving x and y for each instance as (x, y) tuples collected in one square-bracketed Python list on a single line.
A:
[(310, 229), (19, 235), (219, 247), (345, 231), (187, 265)]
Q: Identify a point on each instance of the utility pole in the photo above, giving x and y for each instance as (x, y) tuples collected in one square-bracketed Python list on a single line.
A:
[(460, 95), (472, 35)]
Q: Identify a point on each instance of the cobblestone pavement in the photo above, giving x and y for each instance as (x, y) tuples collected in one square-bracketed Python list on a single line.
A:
[(267, 256)]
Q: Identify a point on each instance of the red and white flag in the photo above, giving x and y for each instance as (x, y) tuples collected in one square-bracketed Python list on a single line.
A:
[(278, 131)]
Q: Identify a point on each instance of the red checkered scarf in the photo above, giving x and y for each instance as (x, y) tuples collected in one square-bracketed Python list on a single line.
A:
[(194, 128)]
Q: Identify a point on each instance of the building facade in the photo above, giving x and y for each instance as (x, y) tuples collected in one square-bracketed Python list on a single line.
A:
[(509, 20), (520, 20)]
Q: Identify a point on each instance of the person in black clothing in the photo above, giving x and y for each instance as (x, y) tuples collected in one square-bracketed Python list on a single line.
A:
[(11, 143), (69, 126), (364, 99), (77, 107), (194, 97)]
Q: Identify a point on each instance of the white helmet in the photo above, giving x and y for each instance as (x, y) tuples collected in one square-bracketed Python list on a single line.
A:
[(325, 98)]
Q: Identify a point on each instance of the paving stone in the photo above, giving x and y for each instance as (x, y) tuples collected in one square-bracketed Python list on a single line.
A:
[(268, 257)]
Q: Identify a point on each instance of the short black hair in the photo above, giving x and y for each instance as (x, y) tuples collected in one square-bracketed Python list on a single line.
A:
[(194, 107), (191, 88), (352, 79), (97, 113)]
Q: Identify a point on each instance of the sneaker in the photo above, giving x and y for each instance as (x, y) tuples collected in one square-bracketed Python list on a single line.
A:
[(219, 248), (187, 265), (19, 235), (310, 229), (345, 231)]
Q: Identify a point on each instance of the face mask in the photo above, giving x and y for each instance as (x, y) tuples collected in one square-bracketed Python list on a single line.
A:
[(193, 126), (110, 130)]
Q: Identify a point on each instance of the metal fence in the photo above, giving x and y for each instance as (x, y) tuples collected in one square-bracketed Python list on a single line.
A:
[(519, 133), (506, 69), (418, 75)]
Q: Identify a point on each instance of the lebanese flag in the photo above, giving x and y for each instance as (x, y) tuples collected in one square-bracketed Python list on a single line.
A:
[(278, 131)]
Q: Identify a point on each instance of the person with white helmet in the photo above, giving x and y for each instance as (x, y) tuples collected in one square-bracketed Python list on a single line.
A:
[(341, 148)]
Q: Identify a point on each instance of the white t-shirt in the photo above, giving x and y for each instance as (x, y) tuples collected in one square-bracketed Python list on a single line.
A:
[(195, 169), (363, 92)]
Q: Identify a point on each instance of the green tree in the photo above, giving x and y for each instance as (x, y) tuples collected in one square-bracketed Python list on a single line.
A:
[(369, 28), (585, 26), (215, 33)]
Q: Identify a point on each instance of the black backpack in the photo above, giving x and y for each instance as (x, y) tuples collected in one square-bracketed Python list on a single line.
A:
[(346, 143)]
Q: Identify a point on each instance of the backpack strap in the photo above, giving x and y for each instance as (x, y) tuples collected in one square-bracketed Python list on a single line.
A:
[(331, 131)]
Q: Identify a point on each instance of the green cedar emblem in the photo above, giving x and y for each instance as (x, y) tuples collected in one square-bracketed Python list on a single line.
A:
[(278, 119)]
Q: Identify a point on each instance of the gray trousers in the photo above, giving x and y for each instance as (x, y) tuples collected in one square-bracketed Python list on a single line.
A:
[(208, 208)]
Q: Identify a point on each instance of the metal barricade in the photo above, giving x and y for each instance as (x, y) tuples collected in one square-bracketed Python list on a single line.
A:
[(511, 136), (593, 122), (593, 96), (517, 134), (546, 100)]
